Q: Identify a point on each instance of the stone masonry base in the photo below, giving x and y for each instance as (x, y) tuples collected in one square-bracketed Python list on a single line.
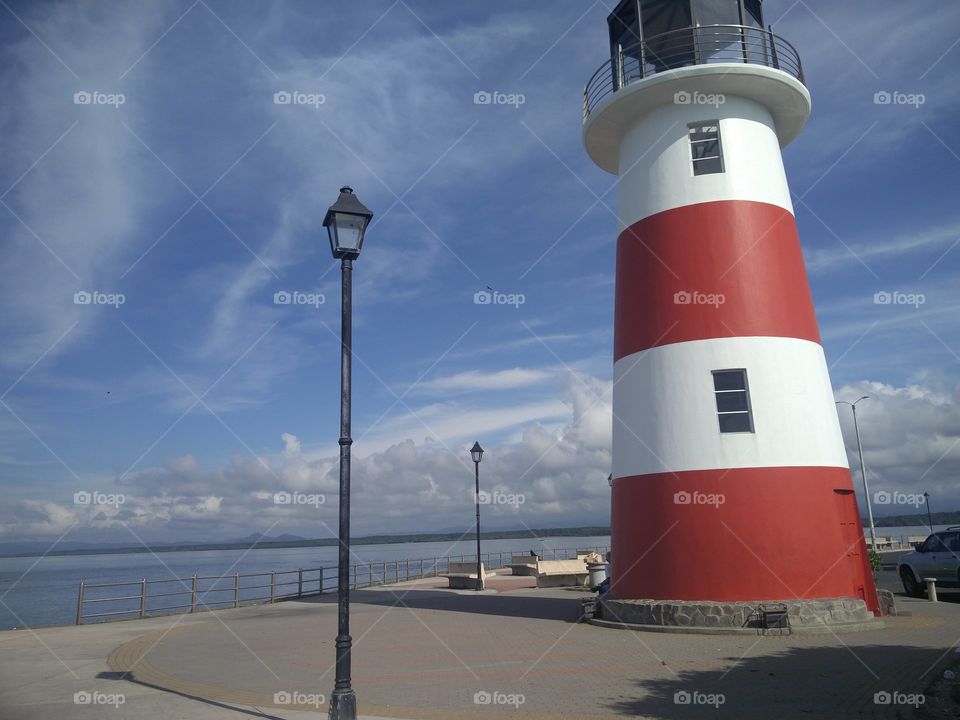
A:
[(827, 615)]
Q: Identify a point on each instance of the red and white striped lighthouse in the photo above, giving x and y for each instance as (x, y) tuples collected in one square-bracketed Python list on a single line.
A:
[(731, 482)]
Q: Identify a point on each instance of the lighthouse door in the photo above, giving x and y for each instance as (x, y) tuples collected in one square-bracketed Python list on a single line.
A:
[(853, 541)]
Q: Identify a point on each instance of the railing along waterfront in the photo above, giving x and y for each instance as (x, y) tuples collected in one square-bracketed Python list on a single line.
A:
[(698, 45), (171, 596)]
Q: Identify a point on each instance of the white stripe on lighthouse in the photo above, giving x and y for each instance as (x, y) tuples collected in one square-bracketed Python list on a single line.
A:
[(665, 414), (660, 177)]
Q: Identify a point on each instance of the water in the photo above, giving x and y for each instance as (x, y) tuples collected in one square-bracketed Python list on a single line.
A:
[(43, 591), (903, 532)]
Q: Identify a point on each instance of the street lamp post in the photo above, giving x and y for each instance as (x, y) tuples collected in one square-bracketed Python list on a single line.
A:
[(926, 497), (863, 469), (346, 221), (476, 453)]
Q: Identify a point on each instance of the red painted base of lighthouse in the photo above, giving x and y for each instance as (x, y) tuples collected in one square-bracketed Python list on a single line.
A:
[(774, 536)]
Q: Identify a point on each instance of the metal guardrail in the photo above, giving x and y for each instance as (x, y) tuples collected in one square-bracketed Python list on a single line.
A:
[(697, 45), (213, 592)]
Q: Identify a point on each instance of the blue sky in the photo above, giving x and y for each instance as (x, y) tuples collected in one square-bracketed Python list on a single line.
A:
[(198, 198)]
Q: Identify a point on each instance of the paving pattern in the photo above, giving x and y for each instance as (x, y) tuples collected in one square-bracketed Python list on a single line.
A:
[(421, 651)]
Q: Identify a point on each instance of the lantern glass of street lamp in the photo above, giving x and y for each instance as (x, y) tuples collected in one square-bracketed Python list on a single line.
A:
[(346, 222), (476, 452)]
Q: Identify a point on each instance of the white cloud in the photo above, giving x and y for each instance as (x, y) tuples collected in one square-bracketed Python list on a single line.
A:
[(911, 438), (560, 469), (476, 380), (938, 238)]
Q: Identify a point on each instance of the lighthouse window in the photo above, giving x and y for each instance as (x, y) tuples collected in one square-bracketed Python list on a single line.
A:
[(733, 401), (705, 150)]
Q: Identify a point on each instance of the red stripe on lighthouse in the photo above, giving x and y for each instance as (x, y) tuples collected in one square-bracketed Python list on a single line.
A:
[(719, 269), (739, 535)]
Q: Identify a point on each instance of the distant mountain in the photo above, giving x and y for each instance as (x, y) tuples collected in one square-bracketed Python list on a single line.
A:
[(254, 538), (260, 541)]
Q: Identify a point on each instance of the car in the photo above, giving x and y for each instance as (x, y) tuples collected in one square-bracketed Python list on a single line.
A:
[(936, 557)]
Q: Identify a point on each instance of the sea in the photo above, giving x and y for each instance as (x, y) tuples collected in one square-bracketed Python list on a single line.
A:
[(39, 591)]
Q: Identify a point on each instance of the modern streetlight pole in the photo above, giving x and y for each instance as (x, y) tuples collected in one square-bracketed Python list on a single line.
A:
[(476, 453), (863, 469), (346, 221), (926, 497)]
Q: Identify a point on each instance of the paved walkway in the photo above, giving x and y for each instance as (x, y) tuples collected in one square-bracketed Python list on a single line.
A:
[(425, 652)]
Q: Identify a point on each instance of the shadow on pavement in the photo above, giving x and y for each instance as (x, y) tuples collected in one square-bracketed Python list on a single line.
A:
[(795, 683), (225, 706), (528, 606)]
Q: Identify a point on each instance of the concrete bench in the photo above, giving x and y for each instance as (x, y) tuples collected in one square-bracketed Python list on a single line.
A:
[(523, 564), (463, 575), (561, 573)]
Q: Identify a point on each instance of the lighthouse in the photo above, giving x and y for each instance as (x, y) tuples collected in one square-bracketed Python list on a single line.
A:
[(730, 481)]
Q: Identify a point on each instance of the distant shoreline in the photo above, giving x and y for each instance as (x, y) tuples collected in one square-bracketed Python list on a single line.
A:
[(891, 521), (533, 534)]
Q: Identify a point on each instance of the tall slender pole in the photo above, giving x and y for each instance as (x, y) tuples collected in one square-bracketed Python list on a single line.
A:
[(926, 497), (343, 701), (863, 474), (476, 467)]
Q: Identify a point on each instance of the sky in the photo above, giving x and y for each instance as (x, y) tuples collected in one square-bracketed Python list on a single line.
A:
[(166, 170)]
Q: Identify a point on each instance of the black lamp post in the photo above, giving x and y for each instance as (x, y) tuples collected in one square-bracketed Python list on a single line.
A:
[(926, 497), (476, 453), (346, 221)]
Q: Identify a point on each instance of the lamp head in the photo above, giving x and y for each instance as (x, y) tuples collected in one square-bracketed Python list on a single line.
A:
[(346, 222)]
